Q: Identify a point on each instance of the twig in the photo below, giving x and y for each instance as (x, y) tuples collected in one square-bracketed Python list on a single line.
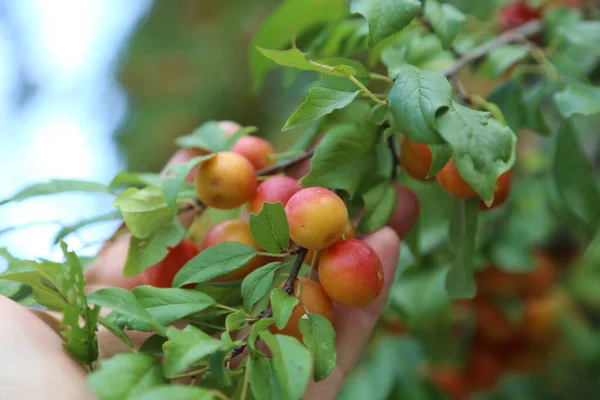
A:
[(268, 312), (282, 166), (464, 96), (526, 30)]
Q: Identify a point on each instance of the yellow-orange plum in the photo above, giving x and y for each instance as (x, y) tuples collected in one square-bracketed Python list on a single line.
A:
[(254, 149), (272, 190), (317, 218), (351, 273), (233, 230), (312, 298), (225, 181)]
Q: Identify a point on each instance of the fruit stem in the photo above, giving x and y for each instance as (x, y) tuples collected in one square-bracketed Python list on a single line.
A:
[(367, 91), (380, 77)]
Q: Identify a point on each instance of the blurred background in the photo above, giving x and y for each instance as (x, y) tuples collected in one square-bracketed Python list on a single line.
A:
[(89, 88)]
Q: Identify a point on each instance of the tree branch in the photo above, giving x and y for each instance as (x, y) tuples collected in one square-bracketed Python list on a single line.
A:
[(282, 166), (268, 312), (526, 30)]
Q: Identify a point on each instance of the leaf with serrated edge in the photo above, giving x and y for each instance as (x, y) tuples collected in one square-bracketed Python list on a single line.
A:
[(294, 58), (380, 203), (292, 364), (318, 103), (282, 304), (144, 253), (270, 229), (213, 262), (257, 283), (167, 305), (115, 330), (483, 148), (175, 177), (186, 347), (385, 17), (128, 374), (144, 211), (460, 281), (416, 98), (319, 337), (445, 19)]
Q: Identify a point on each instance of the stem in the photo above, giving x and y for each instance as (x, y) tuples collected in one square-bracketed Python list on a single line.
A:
[(526, 30), (218, 394), (246, 381), (379, 77), (268, 312), (282, 255), (192, 373), (395, 158), (224, 307), (282, 166), (367, 91), (285, 155)]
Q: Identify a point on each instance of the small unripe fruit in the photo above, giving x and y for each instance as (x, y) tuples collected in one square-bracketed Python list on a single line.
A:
[(416, 159), (351, 273), (272, 190), (314, 299), (317, 218), (254, 149), (225, 181), (233, 230), (450, 180), (501, 191), (349, 233), (161, 275)]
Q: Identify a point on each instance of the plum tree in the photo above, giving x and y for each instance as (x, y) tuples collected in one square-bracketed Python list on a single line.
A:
[(233, 230), (225, 181), (351, 273), (272, 190), (317, 218), (415, 158), (161, 274), (312, 299), (255, 149)]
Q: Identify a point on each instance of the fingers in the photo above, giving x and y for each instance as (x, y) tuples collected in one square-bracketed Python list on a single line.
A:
[(107, 269), (353, 326)]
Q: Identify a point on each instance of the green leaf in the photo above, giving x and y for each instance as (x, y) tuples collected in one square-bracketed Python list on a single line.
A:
[(319, 102), (257, 283), (126, 178), (68, 229), (578, 98), (270, 228), (167, 305), (178, 392), (282, 304), (115, 330), (81, 341), (57, 186), (247, 130), (187, 347), (235, 321), (294, 58), (319, 336), (291, 363), (144, 253), (9, 288), (175, 177), (213, 262), (290, 18), (460, 281), (144, 210), (574, 177), (123, 302), (361, 71), (440, 155), (385, 17), (502, 58), (583, 34), (508, 97), (126, 375), (378, 115), (483, 148), (262, 379), (207, 136), (339, 159), (416, 98), (445, 19), (380, 202), (257, 328), (153, 345)]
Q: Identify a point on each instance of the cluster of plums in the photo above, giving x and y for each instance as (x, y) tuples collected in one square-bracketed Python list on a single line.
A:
[(349, 271)]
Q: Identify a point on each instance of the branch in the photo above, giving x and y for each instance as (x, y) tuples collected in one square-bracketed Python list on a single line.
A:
[(282, 166), (268, 312), (526, 30)]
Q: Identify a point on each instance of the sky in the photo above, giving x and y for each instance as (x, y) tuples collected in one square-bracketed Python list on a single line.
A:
[(60, 107)]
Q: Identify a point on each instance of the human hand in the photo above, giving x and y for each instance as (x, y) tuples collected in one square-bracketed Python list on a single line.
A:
[(34, 365)]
